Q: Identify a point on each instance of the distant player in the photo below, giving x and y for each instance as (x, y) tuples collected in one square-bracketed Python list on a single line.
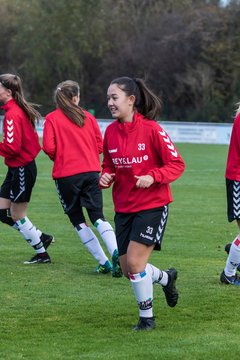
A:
[(72, 139), (229, 276), (19, 148), (141, 161)]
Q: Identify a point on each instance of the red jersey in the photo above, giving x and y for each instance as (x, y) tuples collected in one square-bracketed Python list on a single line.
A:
[(140, 148), (20, 140), (73, 149), (233, 160)]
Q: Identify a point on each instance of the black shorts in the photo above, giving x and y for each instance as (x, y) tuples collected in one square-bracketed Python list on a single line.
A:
[(233, 199), (146, 227), (81, 190), (19, 183)]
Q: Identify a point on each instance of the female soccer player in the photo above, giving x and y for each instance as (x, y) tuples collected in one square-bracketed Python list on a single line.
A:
[(20, 147), (72, 139), (140, 160), (229, 276)]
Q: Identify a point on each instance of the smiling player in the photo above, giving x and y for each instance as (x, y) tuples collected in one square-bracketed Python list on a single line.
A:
[(140, 160)]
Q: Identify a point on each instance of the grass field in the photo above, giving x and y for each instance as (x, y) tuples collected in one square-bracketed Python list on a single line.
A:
[(64, 310)]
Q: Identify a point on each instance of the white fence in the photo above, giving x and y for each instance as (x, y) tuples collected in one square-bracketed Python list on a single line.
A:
[(180, 132), (186, 132)]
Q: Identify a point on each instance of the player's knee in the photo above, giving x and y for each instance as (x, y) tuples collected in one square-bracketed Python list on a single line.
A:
[(76, 218), (134, 264), (95, 215)]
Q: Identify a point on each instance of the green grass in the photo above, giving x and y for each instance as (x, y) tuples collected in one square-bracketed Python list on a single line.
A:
[(66, 311)]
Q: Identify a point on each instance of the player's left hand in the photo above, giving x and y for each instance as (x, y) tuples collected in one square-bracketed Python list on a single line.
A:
[(144, 181)]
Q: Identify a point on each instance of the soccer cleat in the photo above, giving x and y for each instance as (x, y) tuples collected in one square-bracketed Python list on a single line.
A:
[(229, 280), (104, 269), (145, 324), (170, 290), (116, 268), (42, 258), (46, 240), (227, 248)]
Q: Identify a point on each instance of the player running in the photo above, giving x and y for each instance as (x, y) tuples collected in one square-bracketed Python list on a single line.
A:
[(140, 160), (72, 139), (19, 148)]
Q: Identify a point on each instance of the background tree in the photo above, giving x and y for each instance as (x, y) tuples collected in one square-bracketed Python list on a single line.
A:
[(187, 50)]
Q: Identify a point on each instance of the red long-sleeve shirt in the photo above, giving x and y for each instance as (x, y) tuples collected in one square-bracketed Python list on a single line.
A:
[(140, 148), (233, 160), (20, 140), (73, 149)]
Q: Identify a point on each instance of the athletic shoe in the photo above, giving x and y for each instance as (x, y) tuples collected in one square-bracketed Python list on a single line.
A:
[(116, 268), (104, 269), (145, 324), (227, 248), (171, 293), (42, 258), (46, 240), (229, 280)]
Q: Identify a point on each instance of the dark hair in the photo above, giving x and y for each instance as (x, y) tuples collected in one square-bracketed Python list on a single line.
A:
[(14, 83), (146, 103), (63, 95), (238, 109)]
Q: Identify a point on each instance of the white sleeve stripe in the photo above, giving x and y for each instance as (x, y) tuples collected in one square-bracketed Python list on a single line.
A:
[(170, 144), (10, 131)]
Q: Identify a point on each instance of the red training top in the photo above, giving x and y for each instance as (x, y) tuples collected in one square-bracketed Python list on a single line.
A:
[(20, 140), (233, 160), (73, 149), (140, 148)]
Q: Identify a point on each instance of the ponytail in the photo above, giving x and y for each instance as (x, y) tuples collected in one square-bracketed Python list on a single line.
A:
[(238, 109), (63, 96), (146, 102), (14, 83)]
